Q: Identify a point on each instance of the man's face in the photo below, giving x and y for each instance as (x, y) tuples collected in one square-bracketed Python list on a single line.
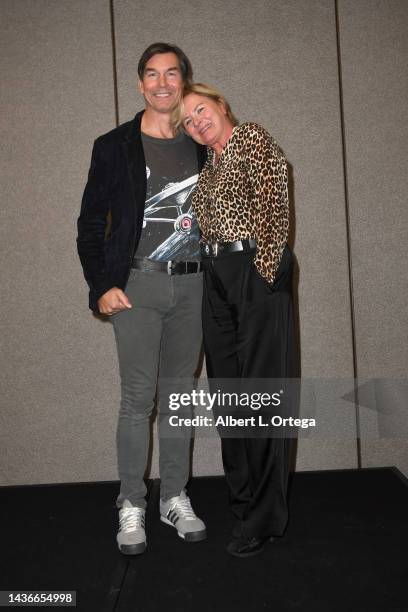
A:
[(162, 82)]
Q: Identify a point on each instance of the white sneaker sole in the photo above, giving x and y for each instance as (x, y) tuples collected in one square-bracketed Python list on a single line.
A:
[(132, 549), (189, 536)]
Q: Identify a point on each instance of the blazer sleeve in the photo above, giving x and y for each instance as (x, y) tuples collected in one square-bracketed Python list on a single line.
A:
[(92, 224), (268, 175)]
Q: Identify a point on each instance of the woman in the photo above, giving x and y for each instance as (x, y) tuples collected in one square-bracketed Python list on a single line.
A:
[(241, 203)]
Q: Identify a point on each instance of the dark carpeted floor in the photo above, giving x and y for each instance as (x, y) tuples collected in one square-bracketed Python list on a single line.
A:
[(345, 549)]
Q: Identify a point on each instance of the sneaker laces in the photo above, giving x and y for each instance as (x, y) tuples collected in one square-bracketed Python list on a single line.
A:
[(185, 509), (131, 519)]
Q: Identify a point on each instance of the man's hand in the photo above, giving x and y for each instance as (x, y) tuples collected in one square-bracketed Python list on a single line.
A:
[(113, 301)]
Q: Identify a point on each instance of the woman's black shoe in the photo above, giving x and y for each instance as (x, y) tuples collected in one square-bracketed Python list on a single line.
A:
[(240, 547)]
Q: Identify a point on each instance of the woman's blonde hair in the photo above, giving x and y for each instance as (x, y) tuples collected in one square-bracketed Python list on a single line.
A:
[(200, 89)]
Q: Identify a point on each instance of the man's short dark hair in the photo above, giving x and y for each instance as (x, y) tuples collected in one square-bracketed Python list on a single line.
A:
[(155, 48)]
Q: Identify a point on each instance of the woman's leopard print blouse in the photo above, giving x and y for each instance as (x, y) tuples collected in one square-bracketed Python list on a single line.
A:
[(246, 196)]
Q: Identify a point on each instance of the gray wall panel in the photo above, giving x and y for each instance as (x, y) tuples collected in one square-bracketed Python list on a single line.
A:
[(55, 423), (276, 61), (374, 53)]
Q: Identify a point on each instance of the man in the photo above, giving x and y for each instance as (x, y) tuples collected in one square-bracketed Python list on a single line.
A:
[(138, 245)]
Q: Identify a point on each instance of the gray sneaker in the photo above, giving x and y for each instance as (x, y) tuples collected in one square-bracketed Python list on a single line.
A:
[(178, 513), (131, 535)]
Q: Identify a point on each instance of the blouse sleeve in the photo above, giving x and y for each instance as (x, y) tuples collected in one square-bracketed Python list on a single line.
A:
[(268, 175)]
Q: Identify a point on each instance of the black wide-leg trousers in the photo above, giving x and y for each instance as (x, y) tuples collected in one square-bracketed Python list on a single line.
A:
[(248, 333)]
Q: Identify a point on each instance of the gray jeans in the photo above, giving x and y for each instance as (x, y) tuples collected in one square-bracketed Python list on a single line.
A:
[(159, 336)]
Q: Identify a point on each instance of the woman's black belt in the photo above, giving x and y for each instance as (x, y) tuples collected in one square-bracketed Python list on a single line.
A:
[(213, 249), (170, 267)]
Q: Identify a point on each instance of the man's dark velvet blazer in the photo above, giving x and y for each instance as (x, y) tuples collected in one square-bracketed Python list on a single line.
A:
[(116, 187)]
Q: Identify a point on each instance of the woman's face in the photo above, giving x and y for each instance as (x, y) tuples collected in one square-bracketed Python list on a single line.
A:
[(206, 121)]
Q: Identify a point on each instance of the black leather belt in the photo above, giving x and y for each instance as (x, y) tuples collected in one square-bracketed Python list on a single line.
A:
[(170, 267), (213, 249)]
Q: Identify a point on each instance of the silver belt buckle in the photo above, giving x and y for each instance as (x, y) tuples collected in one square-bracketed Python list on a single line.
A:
[(215, 249), (169, 268)]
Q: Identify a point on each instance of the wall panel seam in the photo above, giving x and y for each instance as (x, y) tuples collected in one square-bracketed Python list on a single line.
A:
[(348, 236), (114, 62)]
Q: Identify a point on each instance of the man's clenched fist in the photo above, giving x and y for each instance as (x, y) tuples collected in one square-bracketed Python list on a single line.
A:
[(113, 301)]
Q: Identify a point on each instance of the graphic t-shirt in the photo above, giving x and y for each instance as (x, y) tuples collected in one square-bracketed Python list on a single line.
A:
[(170, 229)]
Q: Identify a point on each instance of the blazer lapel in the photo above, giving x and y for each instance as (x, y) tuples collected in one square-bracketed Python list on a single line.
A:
[(136, 164)]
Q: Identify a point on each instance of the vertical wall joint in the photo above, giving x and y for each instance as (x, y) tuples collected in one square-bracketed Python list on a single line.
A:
[(114, 63), (348, 236)]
